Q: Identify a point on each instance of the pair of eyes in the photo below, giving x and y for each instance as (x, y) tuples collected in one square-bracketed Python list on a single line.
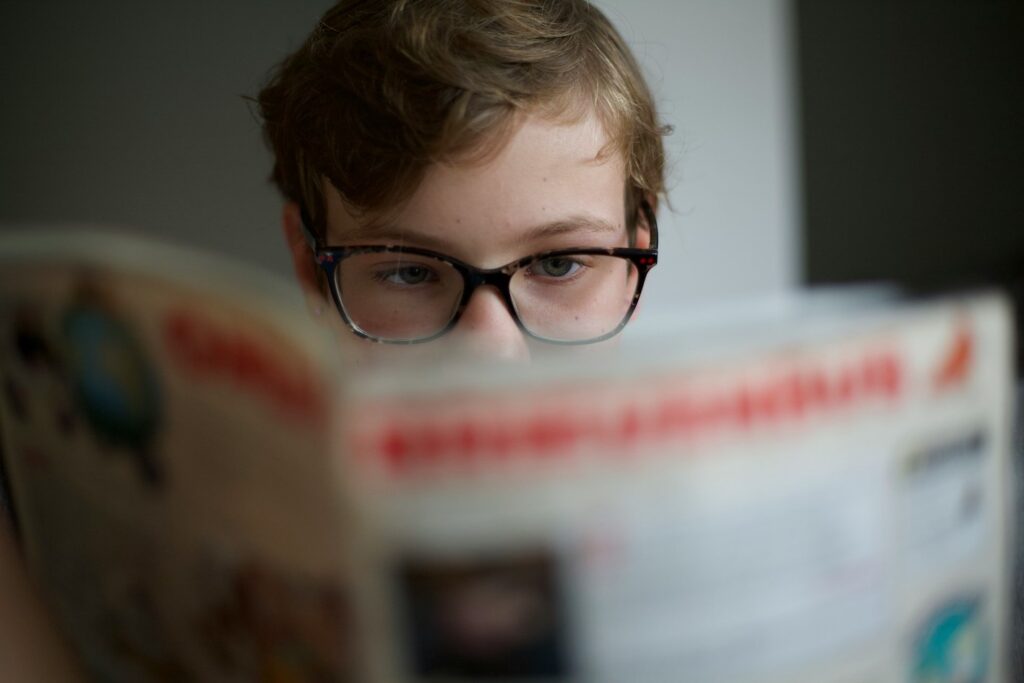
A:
[(556, 268)]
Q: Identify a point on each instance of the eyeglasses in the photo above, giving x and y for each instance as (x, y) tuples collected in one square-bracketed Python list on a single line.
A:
[(405, 295)]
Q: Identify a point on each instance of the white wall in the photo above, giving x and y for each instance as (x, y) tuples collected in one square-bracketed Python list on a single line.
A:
[(721, 70)]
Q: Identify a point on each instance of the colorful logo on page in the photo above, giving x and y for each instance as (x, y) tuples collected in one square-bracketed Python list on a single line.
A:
[(956, 364), (114, 382), (952, 646)]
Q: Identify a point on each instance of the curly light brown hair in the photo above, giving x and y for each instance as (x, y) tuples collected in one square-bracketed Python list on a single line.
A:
[(382, 89)]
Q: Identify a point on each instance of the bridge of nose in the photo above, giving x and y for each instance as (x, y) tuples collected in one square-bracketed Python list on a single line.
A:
[(487, 327)]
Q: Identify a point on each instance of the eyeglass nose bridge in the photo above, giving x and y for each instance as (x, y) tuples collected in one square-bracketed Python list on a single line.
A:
[(499, 278)]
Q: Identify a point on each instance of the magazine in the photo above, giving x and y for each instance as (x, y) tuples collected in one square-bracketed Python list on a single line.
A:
[(208, 491)]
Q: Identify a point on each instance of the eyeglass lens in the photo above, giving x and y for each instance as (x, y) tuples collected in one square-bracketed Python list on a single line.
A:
[(396, 296)]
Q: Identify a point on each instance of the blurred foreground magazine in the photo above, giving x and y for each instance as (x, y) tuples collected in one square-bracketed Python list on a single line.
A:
[(207, 492)]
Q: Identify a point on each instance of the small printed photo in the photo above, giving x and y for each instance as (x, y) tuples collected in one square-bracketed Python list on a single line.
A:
[(484, 618)]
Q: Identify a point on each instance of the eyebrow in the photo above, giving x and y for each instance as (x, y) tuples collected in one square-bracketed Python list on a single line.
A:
[(578, 224)]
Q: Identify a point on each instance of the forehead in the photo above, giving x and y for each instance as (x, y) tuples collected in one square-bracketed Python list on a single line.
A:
[(547, 170)]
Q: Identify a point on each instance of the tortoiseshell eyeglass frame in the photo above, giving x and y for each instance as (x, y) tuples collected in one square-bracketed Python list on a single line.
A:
[(329, 257)]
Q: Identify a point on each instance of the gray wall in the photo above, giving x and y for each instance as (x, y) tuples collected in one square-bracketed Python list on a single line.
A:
[(130, 113)]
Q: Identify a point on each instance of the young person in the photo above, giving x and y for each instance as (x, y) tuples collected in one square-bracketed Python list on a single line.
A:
[(467, 137), (478, 171)]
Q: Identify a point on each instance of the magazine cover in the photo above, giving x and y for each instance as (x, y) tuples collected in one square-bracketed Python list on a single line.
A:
[(164, 419), (827, 503), (207, 492)]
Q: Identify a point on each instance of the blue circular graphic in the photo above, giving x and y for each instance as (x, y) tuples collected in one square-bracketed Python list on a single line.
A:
[(114, 382)]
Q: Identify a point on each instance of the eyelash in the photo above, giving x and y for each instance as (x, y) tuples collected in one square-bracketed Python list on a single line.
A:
[(384, 274), (580, 265)]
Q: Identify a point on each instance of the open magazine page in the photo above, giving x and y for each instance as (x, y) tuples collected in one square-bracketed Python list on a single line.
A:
[(832, 507), (166, 444), (205, 495)]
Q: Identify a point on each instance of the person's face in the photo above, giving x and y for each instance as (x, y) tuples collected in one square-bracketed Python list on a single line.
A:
[(553, 185)]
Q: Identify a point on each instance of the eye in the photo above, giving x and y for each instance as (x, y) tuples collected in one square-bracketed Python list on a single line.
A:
[(405, 275), (557, 266)]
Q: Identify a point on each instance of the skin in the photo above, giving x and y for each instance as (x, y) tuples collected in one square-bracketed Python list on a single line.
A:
[(552, 185)]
